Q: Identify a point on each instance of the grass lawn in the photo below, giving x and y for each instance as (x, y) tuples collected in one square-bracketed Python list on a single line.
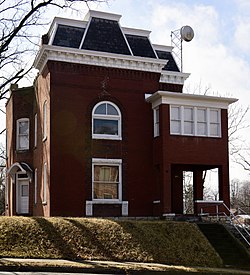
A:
[(172, 243)]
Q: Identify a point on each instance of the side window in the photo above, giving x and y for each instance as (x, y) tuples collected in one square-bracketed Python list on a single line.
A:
[(106, 121), (45, 120), (22, 142), (35, 130), (156, 122), (45, 183), (35, 186)]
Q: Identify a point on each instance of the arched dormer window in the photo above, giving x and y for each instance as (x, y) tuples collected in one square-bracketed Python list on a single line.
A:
[(106, 121)]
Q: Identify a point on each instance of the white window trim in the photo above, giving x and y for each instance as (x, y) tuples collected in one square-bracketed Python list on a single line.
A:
[(45, 120), (109, 162), (45, 183), (35, 130), (195, 120), (35, 186), (107, 117), (18, 134)]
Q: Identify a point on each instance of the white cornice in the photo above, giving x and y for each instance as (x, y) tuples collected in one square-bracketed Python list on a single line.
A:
[(138, 32), (55, 53), (163, 48), (103, 15), (171, 98), (104, 59), (173, 77)]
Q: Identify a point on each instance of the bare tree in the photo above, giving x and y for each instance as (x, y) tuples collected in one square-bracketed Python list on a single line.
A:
[(18, 24), (19, 37), (2, 180), (240, 195)]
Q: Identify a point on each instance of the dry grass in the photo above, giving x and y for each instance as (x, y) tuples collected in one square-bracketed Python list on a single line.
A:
[(173, 243)]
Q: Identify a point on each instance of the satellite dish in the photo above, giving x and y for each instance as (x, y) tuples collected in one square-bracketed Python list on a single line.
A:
[(187, 33)]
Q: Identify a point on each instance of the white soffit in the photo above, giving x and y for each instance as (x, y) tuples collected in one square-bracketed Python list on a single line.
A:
[(173, 98)]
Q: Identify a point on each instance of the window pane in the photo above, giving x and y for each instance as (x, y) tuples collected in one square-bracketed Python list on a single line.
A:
[(23, 127), (101, 109), (201, 115), (175, 113), (111, 110), (157, 115), (104, 190), (175, 127), (24, 190), (106, 127), (23, 142), (214, 116), (188, 128), (188, 114), (201, 128), (214, 130)]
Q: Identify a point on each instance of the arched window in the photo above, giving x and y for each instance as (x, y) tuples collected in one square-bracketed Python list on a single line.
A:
[(106, 121), (22, 134)]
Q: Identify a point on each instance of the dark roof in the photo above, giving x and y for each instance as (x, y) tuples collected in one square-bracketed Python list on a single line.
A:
[(171, 65), (140, 46), (68, 36), (105, 36)]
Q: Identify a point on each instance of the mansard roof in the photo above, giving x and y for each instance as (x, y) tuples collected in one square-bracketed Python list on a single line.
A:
[(100, 34)]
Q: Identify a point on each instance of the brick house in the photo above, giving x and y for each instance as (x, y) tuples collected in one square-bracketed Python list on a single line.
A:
[(106, 129)]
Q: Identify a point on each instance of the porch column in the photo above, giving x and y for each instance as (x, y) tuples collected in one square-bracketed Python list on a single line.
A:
[(177, 190), (224, 186), (198, 188)]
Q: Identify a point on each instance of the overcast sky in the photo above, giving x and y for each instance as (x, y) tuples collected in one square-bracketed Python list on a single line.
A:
[(219, 55)]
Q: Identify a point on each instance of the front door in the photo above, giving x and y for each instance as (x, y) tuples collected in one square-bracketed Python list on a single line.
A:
[(23, 197)]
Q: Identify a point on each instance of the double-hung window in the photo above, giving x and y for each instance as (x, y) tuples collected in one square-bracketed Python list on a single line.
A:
[(106, 121), (156, 122), (45, 183), (188, 121), (44, 120), (106, 179), (35, 130), (201, 121), (214, 122), (22, 134), (175, 116)]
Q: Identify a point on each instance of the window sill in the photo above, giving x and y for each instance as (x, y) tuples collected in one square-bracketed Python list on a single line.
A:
[(107, 137), (95, 201), (22, 150)]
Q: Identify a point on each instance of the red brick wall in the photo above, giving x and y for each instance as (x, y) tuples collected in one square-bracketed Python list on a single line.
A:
[(75, 89)]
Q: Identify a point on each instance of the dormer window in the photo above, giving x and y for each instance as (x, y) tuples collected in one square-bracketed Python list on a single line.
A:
[(106, 121)]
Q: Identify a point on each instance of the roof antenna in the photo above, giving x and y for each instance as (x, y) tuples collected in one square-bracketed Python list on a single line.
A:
[(185, 33), (86, 2)]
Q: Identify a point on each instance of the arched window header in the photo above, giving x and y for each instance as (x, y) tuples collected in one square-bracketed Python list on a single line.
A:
[(106, 121)]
